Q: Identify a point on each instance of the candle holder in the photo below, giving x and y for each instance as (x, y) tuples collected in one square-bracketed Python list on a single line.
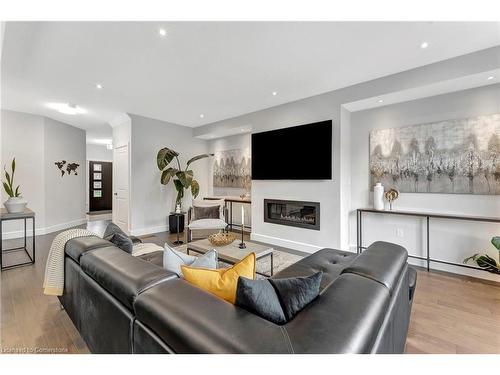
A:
[(242, 245)]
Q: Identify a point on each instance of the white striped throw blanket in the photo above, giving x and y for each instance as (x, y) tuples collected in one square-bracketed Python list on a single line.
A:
[(53, 282)]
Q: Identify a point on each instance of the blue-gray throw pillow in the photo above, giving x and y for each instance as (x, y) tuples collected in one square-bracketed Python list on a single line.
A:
[(173, 260), (117, 237), (277, 300)]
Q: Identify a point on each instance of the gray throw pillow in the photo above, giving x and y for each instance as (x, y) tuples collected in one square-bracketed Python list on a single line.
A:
[(173, 260), (295, 293), (115, 235), (206, 212), (259, 297), (277, 300)]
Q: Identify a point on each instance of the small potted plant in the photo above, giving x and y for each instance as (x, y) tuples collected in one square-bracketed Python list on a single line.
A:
[(15, 203), (485, 261)]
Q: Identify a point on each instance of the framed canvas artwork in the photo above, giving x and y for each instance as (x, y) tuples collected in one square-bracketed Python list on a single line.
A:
[(460, 156)]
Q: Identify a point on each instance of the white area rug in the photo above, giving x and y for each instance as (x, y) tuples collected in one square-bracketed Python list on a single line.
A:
[(281, 261)]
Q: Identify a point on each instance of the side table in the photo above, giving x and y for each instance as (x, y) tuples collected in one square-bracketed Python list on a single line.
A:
[(6, 216), (176, 224)]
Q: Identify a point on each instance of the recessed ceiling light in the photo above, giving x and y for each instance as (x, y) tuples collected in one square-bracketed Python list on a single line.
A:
[(380, 100), (424, 45), (67, 108), (275, 93), (490, 78), (202, 115), (98, 86), (162, 32)]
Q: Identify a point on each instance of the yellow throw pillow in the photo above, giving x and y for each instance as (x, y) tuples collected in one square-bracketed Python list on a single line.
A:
[(221, 282)]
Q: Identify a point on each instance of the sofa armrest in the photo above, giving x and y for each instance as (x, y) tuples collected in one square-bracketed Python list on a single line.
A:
[(382, 262)]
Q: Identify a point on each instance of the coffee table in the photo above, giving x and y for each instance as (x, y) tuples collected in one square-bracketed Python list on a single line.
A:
[(231, 253)]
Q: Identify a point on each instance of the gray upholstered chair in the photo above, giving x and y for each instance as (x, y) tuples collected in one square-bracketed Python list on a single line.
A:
[(202, 226)]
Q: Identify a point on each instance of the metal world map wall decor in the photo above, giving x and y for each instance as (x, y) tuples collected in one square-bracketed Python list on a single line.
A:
[(70, 167), (459, 156)]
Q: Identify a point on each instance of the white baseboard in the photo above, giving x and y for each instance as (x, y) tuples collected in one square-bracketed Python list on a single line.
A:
[(150, 230), (41, 231), (294, 245)]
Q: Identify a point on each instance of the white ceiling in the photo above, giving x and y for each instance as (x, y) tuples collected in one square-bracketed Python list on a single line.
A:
[(220, 69)]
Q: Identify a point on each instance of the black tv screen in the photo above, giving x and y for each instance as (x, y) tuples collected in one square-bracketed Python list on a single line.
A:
[(298, 153)]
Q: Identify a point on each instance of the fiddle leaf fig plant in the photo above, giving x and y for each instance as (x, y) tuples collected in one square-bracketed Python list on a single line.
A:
[(485, 261), (182, 178), (8, 185)]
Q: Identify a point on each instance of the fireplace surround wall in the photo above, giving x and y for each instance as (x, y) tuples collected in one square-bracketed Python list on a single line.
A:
[(292, 213)]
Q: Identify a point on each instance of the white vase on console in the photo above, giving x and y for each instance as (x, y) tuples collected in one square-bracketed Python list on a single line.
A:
[(378, 197)]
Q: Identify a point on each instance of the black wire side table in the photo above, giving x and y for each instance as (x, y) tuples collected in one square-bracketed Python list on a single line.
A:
[(6, 216), (176, 219)]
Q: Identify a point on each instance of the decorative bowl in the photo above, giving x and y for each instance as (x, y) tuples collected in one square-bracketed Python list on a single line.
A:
[(221, 239)]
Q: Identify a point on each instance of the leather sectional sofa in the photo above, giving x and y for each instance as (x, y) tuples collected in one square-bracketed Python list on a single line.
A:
[(123, 304)]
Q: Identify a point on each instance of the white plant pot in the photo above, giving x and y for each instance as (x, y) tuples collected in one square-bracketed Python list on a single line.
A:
[(15, 205)]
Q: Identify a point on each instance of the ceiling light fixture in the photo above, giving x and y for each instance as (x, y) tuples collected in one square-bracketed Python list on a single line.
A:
[(380, 100), (67, 108), (275, 93), (98, 86), (162, 32), (424, 45), (202, 115), (490, 78)]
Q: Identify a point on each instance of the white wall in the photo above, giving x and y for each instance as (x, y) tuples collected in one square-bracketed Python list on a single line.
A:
[(22, 138), (64, 196), (242, 142), (99, 153), (37, 142), (150, 201), (450, 240)]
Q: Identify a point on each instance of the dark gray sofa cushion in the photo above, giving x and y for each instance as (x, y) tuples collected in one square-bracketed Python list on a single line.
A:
[(80, 245), (329, 261), (121, 274), (114, 234)]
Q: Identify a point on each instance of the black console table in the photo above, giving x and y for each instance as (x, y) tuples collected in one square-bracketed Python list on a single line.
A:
[(6, 216), (428, 216)]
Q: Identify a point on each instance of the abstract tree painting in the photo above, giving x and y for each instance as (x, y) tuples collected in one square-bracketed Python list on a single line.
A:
[(459, 156), (232, 168)]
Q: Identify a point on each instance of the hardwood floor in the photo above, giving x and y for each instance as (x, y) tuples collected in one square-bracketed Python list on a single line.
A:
[(451, 314)]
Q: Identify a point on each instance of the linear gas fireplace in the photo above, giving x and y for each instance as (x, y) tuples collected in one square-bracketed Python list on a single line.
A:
[(293, 213)]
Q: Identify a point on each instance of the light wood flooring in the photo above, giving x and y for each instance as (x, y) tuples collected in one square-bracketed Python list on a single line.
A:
[(451, 314)]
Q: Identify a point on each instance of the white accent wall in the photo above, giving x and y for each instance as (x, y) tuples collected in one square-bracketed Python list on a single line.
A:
[(234, 142), (37, 142), (451, 240), (151, 202)]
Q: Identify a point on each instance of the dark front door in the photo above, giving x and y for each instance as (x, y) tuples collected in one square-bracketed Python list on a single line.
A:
[(100, 185)]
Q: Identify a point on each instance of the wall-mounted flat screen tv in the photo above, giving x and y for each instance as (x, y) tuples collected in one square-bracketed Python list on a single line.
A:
[(298, 153)]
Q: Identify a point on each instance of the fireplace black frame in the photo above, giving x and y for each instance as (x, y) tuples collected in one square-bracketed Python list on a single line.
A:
[(316, 205)]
